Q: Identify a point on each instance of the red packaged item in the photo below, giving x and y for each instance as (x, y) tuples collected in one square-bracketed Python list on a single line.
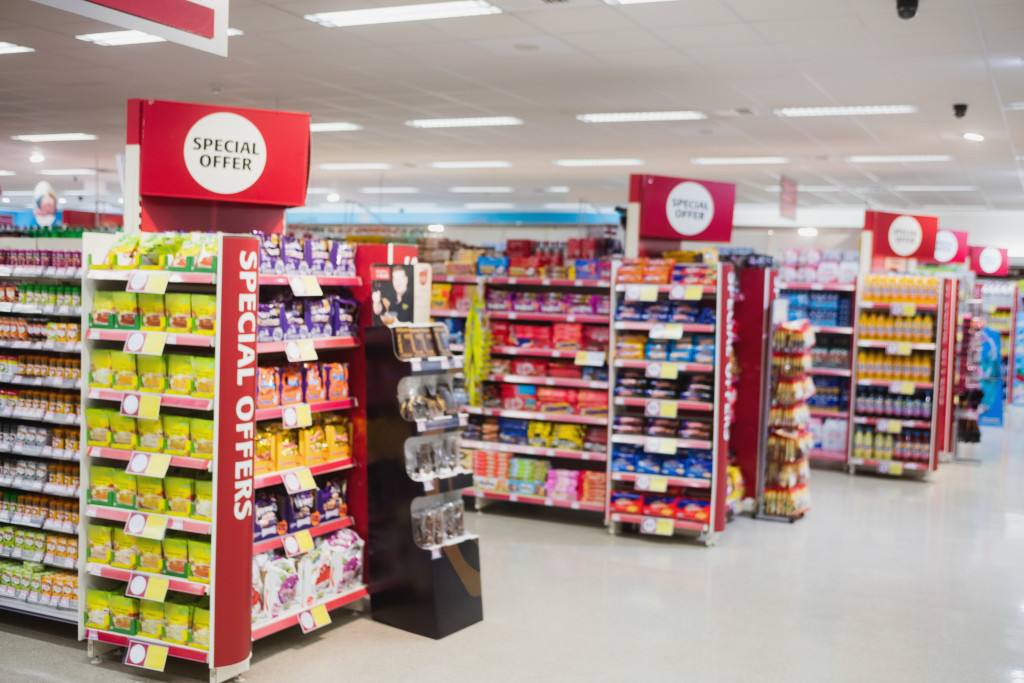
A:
[(551, 400), (518, 397), (627, 503), (592, 403), (268, 394), (596, 337), (567, 336), (565, 369), (526, 302), (313, 383), (502, 366), (536, 336), (500, 332), (529, 367), (291, 384), (524, 267), (659, 506), (518, 248)]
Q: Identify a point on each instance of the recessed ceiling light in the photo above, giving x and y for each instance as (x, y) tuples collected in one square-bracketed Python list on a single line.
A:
[(68, 171), (11, 48), (807, 232), (334, 127), (390, 15), (898, 158), (934, 188), (470, 164), (974, 137), (738, 161), (558, 189), (36, 158), (869, 110), (638, 116), (5, 200), (478, 121), (493, 189), (360, 166), (116, 38), (232, 32), (598, 162), (6, 172), (333, 197), (486, 206), (54, 137), (389, 190), (435, 227)]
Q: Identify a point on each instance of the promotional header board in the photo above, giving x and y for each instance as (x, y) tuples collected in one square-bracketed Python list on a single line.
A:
[(902, 235), (950, 247), (682, 209), (227, 154), (990, 261)]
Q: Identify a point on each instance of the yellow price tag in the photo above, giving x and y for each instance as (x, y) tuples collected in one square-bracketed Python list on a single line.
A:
[(648, 293), (146, 526), (657, 408), (906, 388), (664, 527), (658, 370), (141, 406), (666, 331), (298, 543), (658, 484), (296, 415), (314, 618), (898, 348), (299, 350), (655, 444), (149, 464), (298, 480), (889, 426), (146, 343), (305, 285), (903, 310), (693, 292), (148, 587), (591, 358), (149, 283), (656, 526), (146, 656)]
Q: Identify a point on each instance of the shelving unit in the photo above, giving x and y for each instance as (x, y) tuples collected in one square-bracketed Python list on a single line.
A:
[(1000, 301), (672, 381)]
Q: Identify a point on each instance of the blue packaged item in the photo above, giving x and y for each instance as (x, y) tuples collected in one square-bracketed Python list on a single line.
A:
[(698, 469), (674, 467), (684, 312), (707, 316), (648, 465), (622, 462), (656, 351), (492, 265), (632, 311), (657, 312)]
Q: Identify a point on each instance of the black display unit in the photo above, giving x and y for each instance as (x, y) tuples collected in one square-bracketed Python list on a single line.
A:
[(423, 569)]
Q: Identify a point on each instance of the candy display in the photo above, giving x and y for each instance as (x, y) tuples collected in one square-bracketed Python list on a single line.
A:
[(184, 251), (820, 265), (692, 463), (666, 505), (432, 457), (425, 398), (668, 311), (295, 255), (546, 302), (668, 271), (283, 316), (312, 382), (439, 525), (503, 473), (635, 384)]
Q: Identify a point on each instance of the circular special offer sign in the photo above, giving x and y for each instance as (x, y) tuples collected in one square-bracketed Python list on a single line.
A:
[(905, 235), (946, 246), (225, 153), (689, 208), (989, 260)]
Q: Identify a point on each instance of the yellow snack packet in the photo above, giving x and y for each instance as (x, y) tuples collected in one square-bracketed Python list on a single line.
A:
[(206, 369), (100, 543), (179, 312), (127, 306), (151, 556), (202, 437), (151, 494), (178, 491), (177, 619), (152, 312), (103, 315), (97, 426), (180, 375), (199, 560), (97, 609), (124, 614), (125, 553), (126, 377), (176, 432), (203, 504), (151, 619), (101, 485), (175, 556), (152, 371), (122, 431), (151, 435), (101, 373), (204, 313), (125, 489)]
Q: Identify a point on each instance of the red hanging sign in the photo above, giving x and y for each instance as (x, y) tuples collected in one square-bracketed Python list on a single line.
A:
[(902, 235), (950, 247), (681, 209), (990, 261)]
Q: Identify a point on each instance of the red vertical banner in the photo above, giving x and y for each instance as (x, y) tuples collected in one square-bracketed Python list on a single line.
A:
[(944, 394), (787, 198), (231, 579), (724, 314)]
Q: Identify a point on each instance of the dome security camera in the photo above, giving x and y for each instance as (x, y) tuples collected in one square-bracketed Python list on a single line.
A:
[(907, 9), (959, 110)]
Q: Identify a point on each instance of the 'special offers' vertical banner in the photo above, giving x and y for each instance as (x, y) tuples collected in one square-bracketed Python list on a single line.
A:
[(235, 422), (683, 209)]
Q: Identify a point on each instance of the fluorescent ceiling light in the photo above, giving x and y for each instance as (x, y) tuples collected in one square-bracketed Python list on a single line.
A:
[(68, 171), (898, 158), (1012, 106), (955, 207), (598, 162), (36, 158), (19, 193), (563, 206), (470, 164), (807, 232), (389, 190), (120, 200), (333, 197), (934, 188), (738, 161), (632, 2), (6, 172), (5, 200), (870, 110), (486, 206), (115, 38), (974, 137), (635, 116), (54, 137), (361, 166), (391, 15), (62, 200), (435, 227), (232, 32), (11, 48), (810, 188), (334, 127), (318, 190), (466, 123), (558, 189), (463, 189)]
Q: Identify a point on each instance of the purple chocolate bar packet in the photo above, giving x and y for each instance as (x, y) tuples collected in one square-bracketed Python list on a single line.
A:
[(270, 253), (299, 510), (264, 516), (295, 319), (318, 254), (294, 255), (343, 316), (329, 501), (268, 321), (343, 260), (318, 317)]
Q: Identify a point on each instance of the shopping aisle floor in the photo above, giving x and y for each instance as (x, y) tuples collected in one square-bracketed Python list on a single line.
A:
[(886, 580)]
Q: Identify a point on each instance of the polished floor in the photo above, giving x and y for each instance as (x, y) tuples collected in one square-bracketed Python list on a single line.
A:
[(886, 580)]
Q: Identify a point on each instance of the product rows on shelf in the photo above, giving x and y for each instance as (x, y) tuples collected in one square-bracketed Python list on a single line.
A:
[(345, 342), (442, 423), (37, 522), (39, 556), (831, 329), (890, 466), (818, 286), (532, 351), (523, 449), (536, 500), (22, 604), (568, 382), (659, 482), (895, 347), (651, 524), (260, 481), (436, 364), (166, 400), (537, 415), (660, 444), (278, 412), (40, 309), (663, 407), (265, 627), (830, 372), (675, 290), (458, 279), (49, 273), (267, 279), (42, 416), (34, 451), (173, 338), (550, 317), (174, 583), (193, 654), (41, 345), (833, 456), (826, 412), (175, 276), (899, 306), (174, 523), (890, 422), (897, 386), (322, 529), (37, 381), (126, 455), (661, 368), (663, 330), (35, 486)]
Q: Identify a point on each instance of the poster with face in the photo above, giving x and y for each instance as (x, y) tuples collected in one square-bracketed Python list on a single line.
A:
[(44, 206), (391, 294)]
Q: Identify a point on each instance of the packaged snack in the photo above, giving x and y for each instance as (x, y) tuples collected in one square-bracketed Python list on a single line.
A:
[(204, 312), (336, 376), (97, 609), (100, 543), (152, 311), (97, 425), (288, 453), (101, 485), (124, 614), (313, 446), (314, 390), (318, 317), (265, 515), (202, 437), (185, 256), (630, 503), (126, 306), (269, 321), (203, 504), (270, 253), (330, 502), (151, 619), (151, 557), (103, 315), (124, 552), (291, 385), (539, 434), (299, 511), (152, 372), (205, 369), (201, 627), (207, 257), (281, 587), (346, 558), (177, 619), (268, 394), (199, 560), (180, 375), (176, 431), (178, 492), (179, 312), (100, 372), (122, 431), (265, 454), (337, 434), (122, 364), (125, 488), (151, 435), (175, 556), (294, 319), (151, 494)]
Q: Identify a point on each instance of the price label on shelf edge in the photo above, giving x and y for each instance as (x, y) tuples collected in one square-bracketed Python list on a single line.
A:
[(906, 388), (889, 426), (304, 285), (651, 482), (146, 656), (314, 618), (686, 292), (298, 350), (146, 343), (657, 370), (658, 408), (654, 444), (666, 331), (149, 464), (298, 480), (296, 415), (147, 587), (148, 283), (141, 406), (298, 543), (898, 348), (903, 310), (656, 527), (591, 358), (636, 292), (890, 467), (146, 526)]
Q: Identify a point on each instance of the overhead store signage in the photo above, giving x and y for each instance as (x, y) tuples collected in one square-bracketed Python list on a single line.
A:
[(950, 246), (195, 151), (681, 209), (990, 261), (902, 235), (787, 198), (199, 24)]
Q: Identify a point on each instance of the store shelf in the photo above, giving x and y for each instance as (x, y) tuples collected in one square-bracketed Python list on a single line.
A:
[(532, 352), (890, 382), (40, 416), (699, 406), (436, 364), (886, 305), (818, 286), (548, 381), (641, 440), (534, 415), (909, 424), (173, 523), (318, 343), (680, 366), (523, 449), (126, 455), (882, 343), (174, 583), (61, 347), (48, 452), (277, 412), (448, 313), (40, 309), (173, 338), (124, 274), (831, 456), (457, 279), (264, 628), (536, 500), (824, 412), (680, 524), (549, 282), (41, 273), (550, 317), (830, 372), (648, 325), (860, 462), (42, 523), (194, 654), (831, 329), (33, 486), (45, 382), (441, 423), (678, 287), (68, 615), (323, 280), (321, 530), (166, 400), (456, 348), (263, 480), (688, 482)]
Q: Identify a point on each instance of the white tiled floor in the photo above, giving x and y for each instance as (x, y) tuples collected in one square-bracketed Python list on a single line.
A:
[(886, 580)]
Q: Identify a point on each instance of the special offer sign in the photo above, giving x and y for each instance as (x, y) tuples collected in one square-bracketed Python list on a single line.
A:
[(195, 151), (950, 246), (990, 261), (902, 235), (682, 209)]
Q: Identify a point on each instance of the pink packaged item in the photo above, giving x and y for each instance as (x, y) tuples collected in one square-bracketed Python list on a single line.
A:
[(499, 300), (313, 383), (552, 302), (526, 302)]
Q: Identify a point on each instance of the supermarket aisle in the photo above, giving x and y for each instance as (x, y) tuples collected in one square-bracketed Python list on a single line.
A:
[(886, 580)]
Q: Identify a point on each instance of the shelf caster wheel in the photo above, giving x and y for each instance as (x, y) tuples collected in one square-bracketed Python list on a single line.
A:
[(613, 529), (96, 660), (710, 540)]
